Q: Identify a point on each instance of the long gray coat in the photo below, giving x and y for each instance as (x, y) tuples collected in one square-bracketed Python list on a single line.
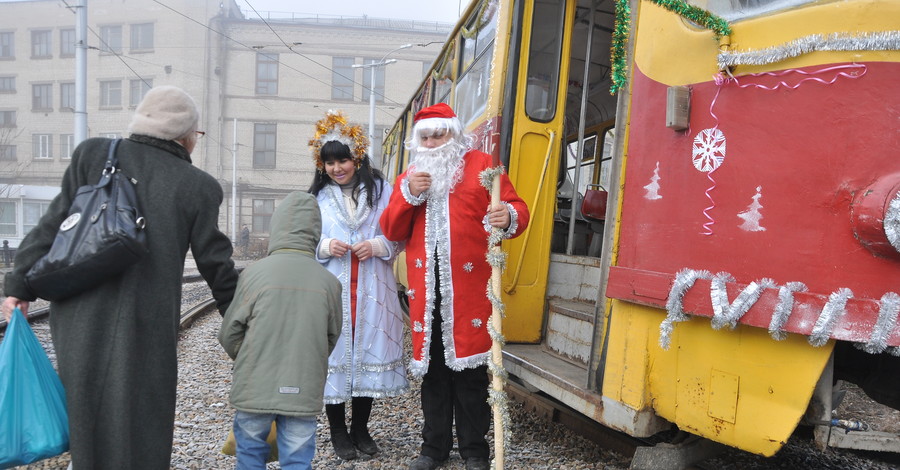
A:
[(116, 344)]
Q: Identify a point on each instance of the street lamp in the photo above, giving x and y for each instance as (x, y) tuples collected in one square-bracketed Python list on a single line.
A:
[(373, 66)]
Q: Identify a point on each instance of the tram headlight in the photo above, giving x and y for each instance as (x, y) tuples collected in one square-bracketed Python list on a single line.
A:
[(875, 216)]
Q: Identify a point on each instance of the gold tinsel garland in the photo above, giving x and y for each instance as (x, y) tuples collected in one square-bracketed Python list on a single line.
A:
[(334, 127)]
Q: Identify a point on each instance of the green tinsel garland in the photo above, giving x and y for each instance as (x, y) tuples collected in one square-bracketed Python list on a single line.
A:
[(619, 38), (699, 16)]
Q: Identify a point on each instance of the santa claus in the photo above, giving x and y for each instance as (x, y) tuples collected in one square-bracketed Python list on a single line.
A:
[(443, 213)]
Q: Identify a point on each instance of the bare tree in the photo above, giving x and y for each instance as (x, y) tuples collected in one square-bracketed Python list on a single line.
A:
[(10, 167)]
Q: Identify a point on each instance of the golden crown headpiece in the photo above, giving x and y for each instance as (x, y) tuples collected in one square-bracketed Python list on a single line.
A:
[(334, 127)]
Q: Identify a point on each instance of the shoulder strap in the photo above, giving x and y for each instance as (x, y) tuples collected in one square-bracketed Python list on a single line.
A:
[(110, 166), (111, 159)]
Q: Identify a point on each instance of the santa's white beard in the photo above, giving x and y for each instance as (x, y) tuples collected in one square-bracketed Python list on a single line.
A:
[(444, 164)]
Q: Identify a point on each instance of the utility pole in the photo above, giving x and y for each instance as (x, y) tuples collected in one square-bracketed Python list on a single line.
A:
[(373, 66), (234, 148), (80, 72)]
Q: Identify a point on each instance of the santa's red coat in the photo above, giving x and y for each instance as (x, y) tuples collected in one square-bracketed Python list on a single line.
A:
[(455, 228)]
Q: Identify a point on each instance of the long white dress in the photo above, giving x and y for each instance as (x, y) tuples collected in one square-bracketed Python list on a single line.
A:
[(371, 364)]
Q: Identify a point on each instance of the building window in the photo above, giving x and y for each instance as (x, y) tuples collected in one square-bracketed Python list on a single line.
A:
[(7, 84), (7, 119), (262, 214), (31, 214), (342, 78), (67, 43), (42, 97), (263, 147), (379, 82), (41, 146), (66, 146), (7, 45), (40, 44), (66, 96), (142, 37), (111, 39), (8, 218), (266, 74), (8, 153), (137, 90), (111, 94)]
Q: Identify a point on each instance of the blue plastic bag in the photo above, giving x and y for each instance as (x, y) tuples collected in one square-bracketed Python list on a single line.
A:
[(34, 424)]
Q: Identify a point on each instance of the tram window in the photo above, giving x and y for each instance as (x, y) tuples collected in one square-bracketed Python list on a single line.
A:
[(544, 55), (586, 162), (443, 80), (479, 33), (732, 10), (609, 138), (472, 91), (389, 155)]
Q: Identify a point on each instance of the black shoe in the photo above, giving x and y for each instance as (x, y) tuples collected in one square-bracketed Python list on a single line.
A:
[(477, 463), (364, 442), (423, 462), (343, 445)]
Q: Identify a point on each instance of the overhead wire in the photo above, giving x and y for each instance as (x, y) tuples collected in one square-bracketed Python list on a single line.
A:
[(372, 87)]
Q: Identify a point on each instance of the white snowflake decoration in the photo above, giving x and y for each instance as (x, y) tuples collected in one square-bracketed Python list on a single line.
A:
[(476, 322), (468, 267), (417, 327), (411, 293), (709, 149), (418, 263)]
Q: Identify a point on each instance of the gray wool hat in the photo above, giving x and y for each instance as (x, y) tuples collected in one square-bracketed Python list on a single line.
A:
[(166, 112)]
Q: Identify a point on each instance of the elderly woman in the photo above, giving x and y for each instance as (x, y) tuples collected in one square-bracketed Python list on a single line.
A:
[(116, 343)]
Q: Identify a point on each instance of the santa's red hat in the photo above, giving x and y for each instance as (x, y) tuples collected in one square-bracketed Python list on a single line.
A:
[(440, 110), (437, 117)]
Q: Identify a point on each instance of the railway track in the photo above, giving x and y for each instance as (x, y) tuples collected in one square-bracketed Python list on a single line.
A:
[(538, 419)]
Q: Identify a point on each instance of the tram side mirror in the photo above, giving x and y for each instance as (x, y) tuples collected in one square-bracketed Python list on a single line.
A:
[(678, 107)]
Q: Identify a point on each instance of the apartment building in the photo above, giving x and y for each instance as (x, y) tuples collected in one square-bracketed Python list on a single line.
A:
[(261, 81)]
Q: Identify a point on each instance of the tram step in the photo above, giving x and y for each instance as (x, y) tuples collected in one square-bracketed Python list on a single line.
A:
[(570, 328), (573, 278)]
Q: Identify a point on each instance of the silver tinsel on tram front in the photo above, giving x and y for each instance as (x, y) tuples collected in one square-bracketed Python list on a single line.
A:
[(884, 326), (892, 222), (832, 312), (784, 308), (844, 42), (684, 280)]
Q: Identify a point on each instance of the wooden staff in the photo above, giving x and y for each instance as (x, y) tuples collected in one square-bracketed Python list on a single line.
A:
[(496, 346)]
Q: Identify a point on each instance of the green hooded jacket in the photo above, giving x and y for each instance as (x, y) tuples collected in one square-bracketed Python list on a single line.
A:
[(285, 318)]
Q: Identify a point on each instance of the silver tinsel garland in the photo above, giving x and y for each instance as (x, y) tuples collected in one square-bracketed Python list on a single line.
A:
[(884, 326), (684, 280), (497, 260), (727, 313), (783, 309), (832, 312), (730, 313), (892, 222), (844, 42), (487, 176)]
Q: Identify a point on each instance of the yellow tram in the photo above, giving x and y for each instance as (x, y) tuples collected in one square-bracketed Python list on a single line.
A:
[(715, 241)]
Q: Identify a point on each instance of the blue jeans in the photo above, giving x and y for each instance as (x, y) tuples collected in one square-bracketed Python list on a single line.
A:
[(296, 440)]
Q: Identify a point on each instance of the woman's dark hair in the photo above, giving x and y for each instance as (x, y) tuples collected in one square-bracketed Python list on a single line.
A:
[(367, 177)]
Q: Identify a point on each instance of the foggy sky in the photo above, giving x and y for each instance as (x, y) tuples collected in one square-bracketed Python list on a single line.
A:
[(445, 11)]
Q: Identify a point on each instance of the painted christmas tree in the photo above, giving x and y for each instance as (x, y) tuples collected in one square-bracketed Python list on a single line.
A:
[(653, 187), (752, 215)]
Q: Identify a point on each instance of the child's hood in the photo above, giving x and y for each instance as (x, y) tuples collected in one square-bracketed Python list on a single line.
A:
[(296, 223)]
